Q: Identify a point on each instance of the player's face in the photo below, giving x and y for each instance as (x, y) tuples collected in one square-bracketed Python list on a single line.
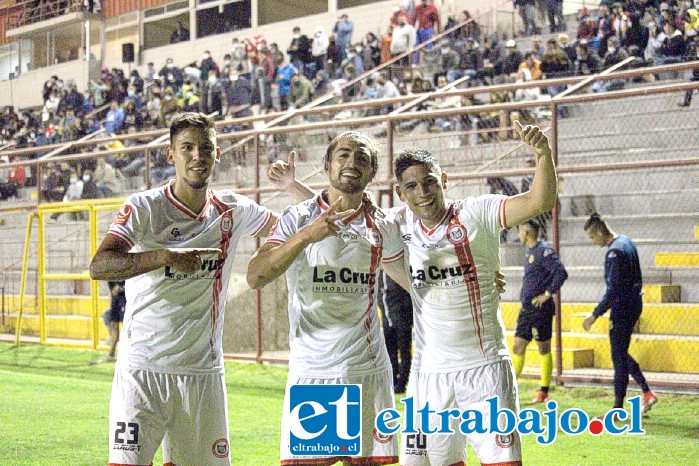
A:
[(423, 190), (350, 169), (194, 153), (596, 236)]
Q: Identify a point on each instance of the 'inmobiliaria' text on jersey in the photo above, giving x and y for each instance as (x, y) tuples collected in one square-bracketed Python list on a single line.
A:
[(452, 268), (174, 321), (334, 325)]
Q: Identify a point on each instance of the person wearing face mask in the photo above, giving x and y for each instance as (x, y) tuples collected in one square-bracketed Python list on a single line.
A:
[(171, 75), (300, 49), (168, 106), (212, 95), (397, 11), (402, 39), (449, 61), (343, 31), (615, 54), (136, 81), (90, 189), (585, 62), (319, 48), (238, 96), (74, 192), (207, 65), (301, 91), (354, 58)]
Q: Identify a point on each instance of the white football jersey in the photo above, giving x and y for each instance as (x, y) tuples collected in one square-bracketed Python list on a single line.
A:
[(174, 321), (456, 306), (334, 325)]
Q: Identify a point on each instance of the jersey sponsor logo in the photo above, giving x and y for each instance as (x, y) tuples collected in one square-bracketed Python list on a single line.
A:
[(123, 215), (325, 420), (415, 444), (456, 234), (176, 234), (209, 270), (325, 279), (443, 276), (220, 448), (407, 237)]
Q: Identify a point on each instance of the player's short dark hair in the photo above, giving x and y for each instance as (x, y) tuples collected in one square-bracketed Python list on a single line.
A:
[(356, 137), (596, 223), (184, 120), (411, 157)]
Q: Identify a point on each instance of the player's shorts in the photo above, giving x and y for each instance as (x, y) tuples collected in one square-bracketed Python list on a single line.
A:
[(377, 395), (462, 390), (534, 323), (187, 413)]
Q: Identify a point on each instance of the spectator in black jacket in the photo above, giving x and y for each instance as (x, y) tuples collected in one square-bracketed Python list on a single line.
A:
[(510, 63), (300, 49), (585, 62), (238, 95), (180, 34), (207, 64), (615, 54), (673, 47)]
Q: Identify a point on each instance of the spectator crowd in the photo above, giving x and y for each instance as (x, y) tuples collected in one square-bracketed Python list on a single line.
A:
[(258, 77)]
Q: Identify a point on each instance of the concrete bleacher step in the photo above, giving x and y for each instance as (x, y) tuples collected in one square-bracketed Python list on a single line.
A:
[(633, 204), (75, 327), (634, 223), (677, 259), (680, 320), (573, 358)]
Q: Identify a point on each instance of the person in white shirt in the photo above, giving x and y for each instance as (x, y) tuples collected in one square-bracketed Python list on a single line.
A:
[(174, 246), (331, 248), (451, 259)]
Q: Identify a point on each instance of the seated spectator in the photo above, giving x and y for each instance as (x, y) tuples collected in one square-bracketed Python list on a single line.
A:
[(656, 38), (511, 61), (301, 91), (636, 37), (472, 61), (115, 119), (567, 47), (169, 104), (321, 83), (449, 61), (492, 53), (555, 64), (90, 188), (180, 34), (673, 48), (537, 47), (585, 62), (16, 179), (615, 54), (106, 179), (170, 75), (73, 192), (533, 65), (132, 117)]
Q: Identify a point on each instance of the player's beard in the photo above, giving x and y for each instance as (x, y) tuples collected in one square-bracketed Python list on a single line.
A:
[(351, 187), (197, 184)]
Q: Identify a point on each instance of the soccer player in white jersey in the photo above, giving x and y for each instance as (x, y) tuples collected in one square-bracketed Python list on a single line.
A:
[(174, 246), (452, 255), (331, 248)]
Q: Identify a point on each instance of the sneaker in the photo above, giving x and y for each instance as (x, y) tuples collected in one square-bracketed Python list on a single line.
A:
[(683, 104), (106, 359), (649, 399), (541, 397)]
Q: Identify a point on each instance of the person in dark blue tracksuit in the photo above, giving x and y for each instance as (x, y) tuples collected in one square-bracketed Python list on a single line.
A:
[(397, 311), (544, 275), (622, 274)]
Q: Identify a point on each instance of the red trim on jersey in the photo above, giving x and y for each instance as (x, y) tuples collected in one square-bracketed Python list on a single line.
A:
[(122, 237), (447, 215), (171, 197), (312, 461), (504, 463), (393, 258), (275, 241), (501, 214), (376, 250), (264, 222), (323, 205), (222, 209), (463, 253)]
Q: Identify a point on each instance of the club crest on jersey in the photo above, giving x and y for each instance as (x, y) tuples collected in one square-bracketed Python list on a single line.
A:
[(123, 215), (456, 234), (504, 441), (226, 223), (220, 448), (381, 437), (375, 237)]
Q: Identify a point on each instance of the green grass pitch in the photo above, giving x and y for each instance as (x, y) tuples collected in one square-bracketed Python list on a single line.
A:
[(54, 411)]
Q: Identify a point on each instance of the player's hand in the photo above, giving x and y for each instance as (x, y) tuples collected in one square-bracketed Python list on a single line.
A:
[(324, 225), (533, 137), (283, 174), (500, 282), (188, 260), (539, 301), (370, 200), (587, 323)]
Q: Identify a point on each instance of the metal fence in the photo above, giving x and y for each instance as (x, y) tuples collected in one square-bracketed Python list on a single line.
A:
[(626, 154)]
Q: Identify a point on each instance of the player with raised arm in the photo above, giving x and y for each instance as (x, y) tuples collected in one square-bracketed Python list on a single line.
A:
[(174, 246), (452, 256), (331, 248)]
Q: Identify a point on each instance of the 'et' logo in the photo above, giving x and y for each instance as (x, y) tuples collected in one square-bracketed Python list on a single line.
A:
[(325, 420)]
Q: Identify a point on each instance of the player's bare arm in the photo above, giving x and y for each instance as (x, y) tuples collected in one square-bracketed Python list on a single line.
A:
[(270, 261), (396, 270), (113, 261), (283, 174), (542, 196)]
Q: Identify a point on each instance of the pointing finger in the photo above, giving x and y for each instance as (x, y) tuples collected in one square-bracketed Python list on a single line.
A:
[(334, 205), (341, 215)]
